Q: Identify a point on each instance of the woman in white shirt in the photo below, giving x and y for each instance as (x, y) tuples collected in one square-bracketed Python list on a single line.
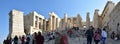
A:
[(104, 36)]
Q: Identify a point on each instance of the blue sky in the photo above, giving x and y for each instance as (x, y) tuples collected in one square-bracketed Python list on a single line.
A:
[(43, 7)]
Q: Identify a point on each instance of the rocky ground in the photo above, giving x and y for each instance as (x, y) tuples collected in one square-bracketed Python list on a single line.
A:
[(81, 40)]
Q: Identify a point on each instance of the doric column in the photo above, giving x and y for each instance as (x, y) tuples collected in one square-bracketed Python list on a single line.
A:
[(65, 21), (65, 17), (79, 19), (37, 23), (87, 20), (44, 24), (95, 20), (55, 23), (50, 23), (71, 22)]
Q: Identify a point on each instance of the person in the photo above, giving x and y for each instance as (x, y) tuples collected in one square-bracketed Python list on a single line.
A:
[(28, 39), (64, 39), (57, 40), (99, 30), (34, 36), (77, 28), (97, 37), (104, 36), (8, 40), (23, 39), (19, 40), (39, 39), (70, 32), (15, 40), (89, 35), (53, 35), (49, 36), (4, 42), (113, 35), (116, 37)]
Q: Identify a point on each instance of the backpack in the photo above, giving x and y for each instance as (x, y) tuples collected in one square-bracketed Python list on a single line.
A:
[(28, 38), (97, 36), (89, 33)]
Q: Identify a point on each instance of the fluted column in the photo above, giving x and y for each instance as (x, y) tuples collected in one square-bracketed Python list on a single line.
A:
[(44, 24), (88, 20), (79, 20), (50, 23), (95, 22), (65, 21), (54, 22)]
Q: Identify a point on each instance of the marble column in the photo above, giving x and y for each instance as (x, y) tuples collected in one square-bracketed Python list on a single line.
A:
[(71, 22), (79, 20), (50, 23), (65, 17), (44, 24), (95, 20), (37, 23), (65, 21), (87, 20), (41, 24), (57, 24), (54, 22)]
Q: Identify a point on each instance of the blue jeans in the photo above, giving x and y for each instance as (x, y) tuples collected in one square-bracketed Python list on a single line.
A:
[(104, 40)]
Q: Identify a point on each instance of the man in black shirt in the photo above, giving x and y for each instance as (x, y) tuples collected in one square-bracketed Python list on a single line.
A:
[(89, 34)]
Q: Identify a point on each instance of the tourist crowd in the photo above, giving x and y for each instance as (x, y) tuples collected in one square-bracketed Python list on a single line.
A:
[(97, 34), (60, 37), (36, 38)]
